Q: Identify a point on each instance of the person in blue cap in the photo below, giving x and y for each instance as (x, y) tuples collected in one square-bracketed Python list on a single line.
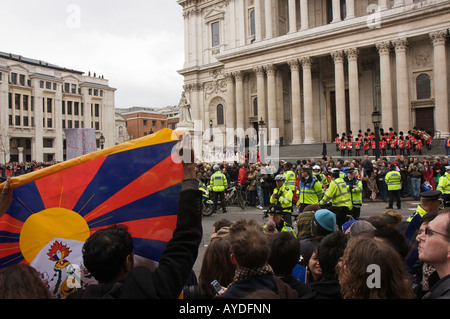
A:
[(323, 223)]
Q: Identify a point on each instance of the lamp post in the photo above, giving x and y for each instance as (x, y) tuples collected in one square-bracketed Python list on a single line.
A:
[(102, 140), (262, 154), (376, 120), (210, 130)]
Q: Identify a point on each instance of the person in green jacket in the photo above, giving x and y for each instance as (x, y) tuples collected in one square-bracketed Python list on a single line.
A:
[(429, 203), (339, 196), (355, 189), (276, 213), (282, 195), (289, 176), (310, 189), (218, 186), (393, 181), (444, 186)]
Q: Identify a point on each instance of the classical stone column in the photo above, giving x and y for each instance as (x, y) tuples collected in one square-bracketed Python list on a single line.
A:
[(308, 100), (336, 11), (386, 85), (338, 57), (231, 105), (401, 66), (353, 87), (304, 14), (350, 7), (271, 100), (296, 102), (438, 39), (261, 92), (258, 20), (292, 16), (239, 77), (268, 13)]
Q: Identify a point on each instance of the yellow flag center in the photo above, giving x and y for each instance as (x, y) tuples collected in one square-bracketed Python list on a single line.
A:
[(40, 228)]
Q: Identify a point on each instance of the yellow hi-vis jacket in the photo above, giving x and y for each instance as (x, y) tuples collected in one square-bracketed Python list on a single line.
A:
[(444, 184), (284, 199), (310, 192), (290, 180), (218, 182), (338, 194), (393, 180), (356, 191)]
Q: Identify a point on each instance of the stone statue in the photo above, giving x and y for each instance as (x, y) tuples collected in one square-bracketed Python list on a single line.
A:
[(184, 108)]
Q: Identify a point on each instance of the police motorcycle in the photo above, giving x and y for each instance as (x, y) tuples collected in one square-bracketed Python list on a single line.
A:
[(207, 204)]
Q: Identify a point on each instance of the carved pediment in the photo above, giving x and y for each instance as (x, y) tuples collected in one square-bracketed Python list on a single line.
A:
[(213, 15)]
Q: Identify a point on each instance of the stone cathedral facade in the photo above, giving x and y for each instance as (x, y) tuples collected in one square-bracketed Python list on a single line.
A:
[(317, 68)]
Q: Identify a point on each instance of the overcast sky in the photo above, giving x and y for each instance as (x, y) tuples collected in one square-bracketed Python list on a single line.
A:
[(138, 45)]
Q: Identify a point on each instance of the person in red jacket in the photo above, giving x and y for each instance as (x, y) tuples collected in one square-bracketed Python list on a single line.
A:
[(408, 146), (393, 145), (383, 145), (366, 146), (401, 145), (343, 146), (242, 176), (349, 147), (419, 145), (337, 140), (357, 146)]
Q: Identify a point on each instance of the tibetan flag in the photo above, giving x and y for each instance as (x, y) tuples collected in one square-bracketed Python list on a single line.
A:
[(54, 210)]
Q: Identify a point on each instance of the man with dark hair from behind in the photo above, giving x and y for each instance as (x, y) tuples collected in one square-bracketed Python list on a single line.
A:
[(108, 254), (284, 256), (250, 250)]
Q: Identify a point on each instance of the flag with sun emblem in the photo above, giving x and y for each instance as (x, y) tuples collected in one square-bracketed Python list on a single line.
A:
[(55, 210)]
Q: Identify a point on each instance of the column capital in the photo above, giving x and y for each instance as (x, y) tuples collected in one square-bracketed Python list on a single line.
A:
[(306, 62), (438, 37), (352, 53), (383, 47), (239, 75), (229, 77), (338, 56), (270, 69), (259, 70), (293, 64), (400, 44)]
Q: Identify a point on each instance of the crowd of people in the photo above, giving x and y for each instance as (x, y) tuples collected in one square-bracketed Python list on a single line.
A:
[(383, 257), (397, 143), (258, 179), (12, 169)]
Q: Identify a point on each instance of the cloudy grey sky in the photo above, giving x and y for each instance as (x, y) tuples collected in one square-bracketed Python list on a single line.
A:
[(138, 45)]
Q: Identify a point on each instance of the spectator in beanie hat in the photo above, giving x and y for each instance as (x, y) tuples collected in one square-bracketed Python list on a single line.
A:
[(323, 223)]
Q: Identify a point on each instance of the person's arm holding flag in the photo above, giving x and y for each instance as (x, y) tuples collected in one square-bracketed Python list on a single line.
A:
[(175, 265), (5, 197)]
